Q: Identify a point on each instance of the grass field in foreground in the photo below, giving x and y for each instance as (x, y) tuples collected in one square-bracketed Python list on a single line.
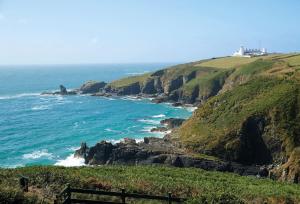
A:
[(198, 185)]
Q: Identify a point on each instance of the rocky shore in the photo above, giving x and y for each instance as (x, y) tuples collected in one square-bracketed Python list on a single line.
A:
[(156, 151)]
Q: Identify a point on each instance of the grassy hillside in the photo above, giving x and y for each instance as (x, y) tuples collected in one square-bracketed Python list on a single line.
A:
[(198, 185), (227, 62), (129, 80), (256, 114)]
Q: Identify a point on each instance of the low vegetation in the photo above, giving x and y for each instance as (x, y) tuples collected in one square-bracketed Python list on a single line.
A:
[(199, 186)]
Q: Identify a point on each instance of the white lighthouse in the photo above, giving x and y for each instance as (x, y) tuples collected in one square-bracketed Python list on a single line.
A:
[(244, 52)]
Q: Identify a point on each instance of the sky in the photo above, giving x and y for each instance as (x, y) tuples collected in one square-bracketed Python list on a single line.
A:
[(142, 31)]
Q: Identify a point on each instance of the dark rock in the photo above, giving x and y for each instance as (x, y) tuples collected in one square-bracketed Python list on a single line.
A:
[(172, 122), (158, 73), (102, 94), (253, 149), (148, 87), (131, 89), (173, 85), (263, 172), (91, 87), (154, 151), (159, 129), (177, 104), (63, 90), (100, 153), (160, 99), (129, 141)]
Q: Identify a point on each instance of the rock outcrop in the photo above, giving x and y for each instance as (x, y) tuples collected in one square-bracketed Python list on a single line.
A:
[(92, 87), (154, 151), (62, 91), (172, 122)]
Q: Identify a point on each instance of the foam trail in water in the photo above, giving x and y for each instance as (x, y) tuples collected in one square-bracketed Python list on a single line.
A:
[(147, 121), (38, 154), (7, 97), (41, 107), (70, 161), (159, 116)]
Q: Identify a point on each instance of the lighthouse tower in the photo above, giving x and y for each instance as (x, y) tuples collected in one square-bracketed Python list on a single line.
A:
[(241, 51)]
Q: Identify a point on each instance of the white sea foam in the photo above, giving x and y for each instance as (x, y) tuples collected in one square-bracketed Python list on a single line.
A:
[(38, 154), (191, 109), (7, 97), (70, 161), (113, 141), (148, 121), (131, 98), (148, 128), (111, 130), (73, 148), (41, 107), (159, 116), (13, 166)]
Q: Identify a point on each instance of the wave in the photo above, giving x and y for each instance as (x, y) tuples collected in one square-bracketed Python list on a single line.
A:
[(41, 107), (159, 116), (70, 161), (7, 97), (38, 154), (131, 98), (148, 129), (73, 149), (111, 130), (113, 141), (148, 121), (191, 109), (13, 166)]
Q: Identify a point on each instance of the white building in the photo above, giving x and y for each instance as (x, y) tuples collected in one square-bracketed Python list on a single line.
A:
[(244, 52)]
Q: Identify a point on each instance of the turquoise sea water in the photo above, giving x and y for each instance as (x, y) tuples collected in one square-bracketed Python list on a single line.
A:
[(37, 129)]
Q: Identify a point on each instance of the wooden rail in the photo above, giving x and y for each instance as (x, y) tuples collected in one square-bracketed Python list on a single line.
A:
[(65, 197)]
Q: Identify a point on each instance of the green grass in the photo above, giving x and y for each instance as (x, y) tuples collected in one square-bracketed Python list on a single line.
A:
[(208, 83), (129, 80), (196, 184), (228, 62), (254, 67), (293, 60), (214, 122)]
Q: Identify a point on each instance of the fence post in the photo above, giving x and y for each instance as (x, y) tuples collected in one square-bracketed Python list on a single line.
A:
[(170, 198), (123, 195), (68, 193), (24, 183)]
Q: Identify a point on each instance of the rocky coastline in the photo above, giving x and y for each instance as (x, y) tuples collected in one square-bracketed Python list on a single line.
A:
[(168, 150)]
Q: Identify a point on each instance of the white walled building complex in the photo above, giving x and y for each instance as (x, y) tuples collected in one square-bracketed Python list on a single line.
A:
[(244, 52)]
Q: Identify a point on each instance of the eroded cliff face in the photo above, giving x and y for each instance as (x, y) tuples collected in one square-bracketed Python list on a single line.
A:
[(172, 87)]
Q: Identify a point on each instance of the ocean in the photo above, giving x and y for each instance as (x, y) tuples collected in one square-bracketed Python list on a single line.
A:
[(45, 130)]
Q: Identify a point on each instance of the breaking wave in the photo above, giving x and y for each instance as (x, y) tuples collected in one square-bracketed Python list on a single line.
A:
[(70, 161), (38, 154), (7, 97)]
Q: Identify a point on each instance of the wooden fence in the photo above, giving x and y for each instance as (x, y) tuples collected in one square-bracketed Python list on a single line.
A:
[(65, 197)]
